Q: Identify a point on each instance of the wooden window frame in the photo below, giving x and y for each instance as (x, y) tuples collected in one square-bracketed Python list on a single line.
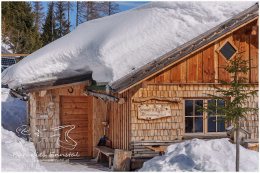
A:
[(204, 118), (194, 115), (223, 44)]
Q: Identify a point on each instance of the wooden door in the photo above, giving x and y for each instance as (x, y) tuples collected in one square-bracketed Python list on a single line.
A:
[(76, 126)]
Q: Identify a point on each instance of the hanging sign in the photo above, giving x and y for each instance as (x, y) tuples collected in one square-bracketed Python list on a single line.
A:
[(153, 111)]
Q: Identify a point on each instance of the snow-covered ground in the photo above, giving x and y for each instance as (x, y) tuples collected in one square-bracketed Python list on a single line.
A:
[(115, 45), (18, 154), (13, 112), (200, 155), (61, 166)]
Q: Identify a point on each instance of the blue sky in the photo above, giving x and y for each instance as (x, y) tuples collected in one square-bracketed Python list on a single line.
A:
[(123, 6)]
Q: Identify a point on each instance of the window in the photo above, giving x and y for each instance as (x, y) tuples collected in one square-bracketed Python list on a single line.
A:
[(228, 50), (193, 116), (197, 121), (7, 61), (215, 119)]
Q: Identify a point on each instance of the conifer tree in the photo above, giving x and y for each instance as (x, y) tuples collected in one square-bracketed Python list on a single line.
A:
[(89, 10), (109, 8), (49, 31), (79, 12), (235, 97), (69, 8), (60, 16), (38, 14), (19, 28)]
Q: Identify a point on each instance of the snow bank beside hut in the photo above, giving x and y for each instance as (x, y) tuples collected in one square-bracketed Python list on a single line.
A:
[(200, 155), (114, 46), (13, 112), (18, 154)]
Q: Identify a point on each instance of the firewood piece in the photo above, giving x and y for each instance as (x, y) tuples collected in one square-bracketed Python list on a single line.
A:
[(122, 159)]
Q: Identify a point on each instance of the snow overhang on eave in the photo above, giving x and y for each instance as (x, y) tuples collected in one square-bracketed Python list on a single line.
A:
[(22, 91), (136, 77)]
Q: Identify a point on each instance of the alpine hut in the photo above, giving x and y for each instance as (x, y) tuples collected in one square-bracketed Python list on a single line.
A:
[(132, 80)]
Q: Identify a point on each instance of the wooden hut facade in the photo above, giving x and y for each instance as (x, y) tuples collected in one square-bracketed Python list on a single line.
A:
[(154, 105)]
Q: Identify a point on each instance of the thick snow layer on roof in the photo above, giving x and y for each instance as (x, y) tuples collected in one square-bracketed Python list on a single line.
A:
[(113, 46), (200, 155)]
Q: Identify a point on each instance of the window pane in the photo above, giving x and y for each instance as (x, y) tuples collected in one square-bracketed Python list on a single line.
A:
[(228, 50), (188, 124), (198, 107), (198, 124), (188, 107), (221, 104), (211, 107), (212, 124), (221, 124)]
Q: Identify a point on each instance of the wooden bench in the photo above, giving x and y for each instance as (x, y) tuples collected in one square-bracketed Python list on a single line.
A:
[(160, 149), (109, 152)]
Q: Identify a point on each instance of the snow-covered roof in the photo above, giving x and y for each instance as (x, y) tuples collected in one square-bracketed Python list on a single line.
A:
[(4, 50), (167, 60), (114, 46)]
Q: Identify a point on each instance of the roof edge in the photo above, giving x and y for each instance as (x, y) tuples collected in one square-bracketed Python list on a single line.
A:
[(165, 61)]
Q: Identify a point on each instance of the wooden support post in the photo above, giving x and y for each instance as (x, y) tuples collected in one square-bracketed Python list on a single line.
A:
[(122, 159)]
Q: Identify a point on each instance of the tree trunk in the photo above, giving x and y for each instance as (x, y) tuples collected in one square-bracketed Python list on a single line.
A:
[(77, 14), (237, 146), (122, 159)]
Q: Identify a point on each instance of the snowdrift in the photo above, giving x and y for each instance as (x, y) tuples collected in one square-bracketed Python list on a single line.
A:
[(200, 155), (114, 46), (13, 112), (18, 154)]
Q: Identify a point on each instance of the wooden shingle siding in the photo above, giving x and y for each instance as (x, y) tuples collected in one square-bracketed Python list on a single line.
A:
[(172, 128)]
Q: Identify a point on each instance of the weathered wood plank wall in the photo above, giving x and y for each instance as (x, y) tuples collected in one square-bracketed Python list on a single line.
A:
[(99, 115), (206, 65)]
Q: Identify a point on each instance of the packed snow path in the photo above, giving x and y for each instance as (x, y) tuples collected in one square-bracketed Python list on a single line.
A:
[(61, 166)]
